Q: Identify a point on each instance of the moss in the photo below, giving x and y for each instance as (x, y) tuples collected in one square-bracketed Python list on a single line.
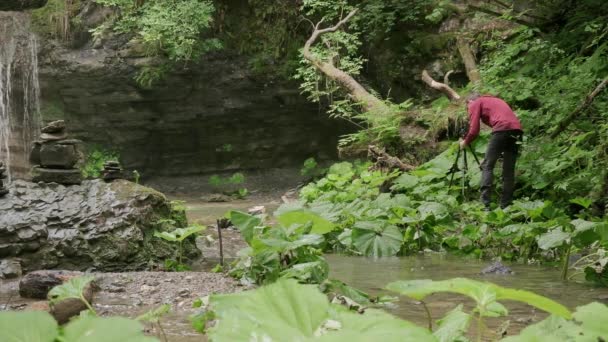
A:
[(57, 18)]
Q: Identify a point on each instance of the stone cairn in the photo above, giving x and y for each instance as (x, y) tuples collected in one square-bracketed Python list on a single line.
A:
[(55, 156), (3, 190), (112, 171)]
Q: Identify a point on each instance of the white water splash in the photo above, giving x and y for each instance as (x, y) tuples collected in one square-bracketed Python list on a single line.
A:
[(19, 90)]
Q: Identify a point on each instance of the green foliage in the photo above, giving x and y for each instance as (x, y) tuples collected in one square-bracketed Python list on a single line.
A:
[(94, 160), (287, 310), (289, 250), (73, 288), (178, 235), (57, 18), (28, 326), (172, 29), (38, 326), (230, 185)]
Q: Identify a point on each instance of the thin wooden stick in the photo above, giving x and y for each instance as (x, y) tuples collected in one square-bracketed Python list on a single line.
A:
[(219, 233)]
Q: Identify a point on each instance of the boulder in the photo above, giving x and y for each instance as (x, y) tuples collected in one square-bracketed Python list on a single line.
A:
[(60, 176), (54, 127), (54, 155), (497, 268), (10, 268), (105, 226), (37, 284)]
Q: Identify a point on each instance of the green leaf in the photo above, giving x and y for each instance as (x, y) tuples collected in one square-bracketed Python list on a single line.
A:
[(73, 288), (553, 238), (95, 329), (385, 241), (483, 293), (28, 326), (180, 234), (593, 318), (554, 329), (319, 225), (405, 182), (582, 225), (245, 224), (453, 326), (583, 202), (438, 210), (288, 311)]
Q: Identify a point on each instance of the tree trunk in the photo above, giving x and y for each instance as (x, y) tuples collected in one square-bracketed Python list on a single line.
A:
[(469, 60), (369, 102)]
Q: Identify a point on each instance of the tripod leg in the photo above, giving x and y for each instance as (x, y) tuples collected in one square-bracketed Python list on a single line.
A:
[(464, 174), (475, 156), (453, 169)]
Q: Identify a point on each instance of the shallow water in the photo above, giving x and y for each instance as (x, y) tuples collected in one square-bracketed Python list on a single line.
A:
[(372, 275)]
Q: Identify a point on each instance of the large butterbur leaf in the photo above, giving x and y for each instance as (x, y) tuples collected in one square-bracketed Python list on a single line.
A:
[(180, 234), (245, 224), (34, 326), (594, 320), (553, 238), (319, 225), (376, 239), (485, 294), (288, 311), (95, 329), (73, 288), (453, 326)]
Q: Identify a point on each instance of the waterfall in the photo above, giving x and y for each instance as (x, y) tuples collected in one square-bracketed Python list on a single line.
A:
[(19, 92)]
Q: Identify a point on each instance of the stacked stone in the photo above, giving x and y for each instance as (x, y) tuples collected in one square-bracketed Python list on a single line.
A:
[(112, 171), (55, 156), (3, 190)]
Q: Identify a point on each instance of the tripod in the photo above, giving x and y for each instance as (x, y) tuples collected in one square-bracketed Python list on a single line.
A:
[(465, 167)]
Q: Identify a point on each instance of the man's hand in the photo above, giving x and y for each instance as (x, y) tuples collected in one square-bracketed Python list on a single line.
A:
[(462, 144)]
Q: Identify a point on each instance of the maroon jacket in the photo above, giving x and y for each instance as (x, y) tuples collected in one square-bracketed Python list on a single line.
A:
[(494, 112)]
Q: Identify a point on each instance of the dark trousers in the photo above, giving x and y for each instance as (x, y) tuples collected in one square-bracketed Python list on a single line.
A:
[(505, 143)]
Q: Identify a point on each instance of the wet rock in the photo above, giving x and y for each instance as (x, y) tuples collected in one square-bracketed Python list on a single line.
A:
[(57, 126), (257, 210), (64, 310), (3, 191), (184, 292), (108, 226), (37, 284), (67, 177), (497, 268), (112, 171), (213, 198), (10, 268), (57, 155)]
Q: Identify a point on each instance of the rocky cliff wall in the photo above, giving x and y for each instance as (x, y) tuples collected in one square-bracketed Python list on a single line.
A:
[(211, 117)]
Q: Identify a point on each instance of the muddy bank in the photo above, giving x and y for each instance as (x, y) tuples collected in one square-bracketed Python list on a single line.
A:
[(131, 294)]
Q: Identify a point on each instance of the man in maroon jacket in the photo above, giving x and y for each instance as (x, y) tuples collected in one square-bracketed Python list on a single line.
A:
[(506, 136)]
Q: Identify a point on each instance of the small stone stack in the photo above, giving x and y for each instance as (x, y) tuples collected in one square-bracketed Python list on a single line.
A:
[(55, 156), (112, 171), (3, 190)]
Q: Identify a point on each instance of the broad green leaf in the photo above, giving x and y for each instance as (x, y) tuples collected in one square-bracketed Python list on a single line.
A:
[(336, 286), (593, 318), (180, 234), (483, 293), (95, 329), (553, 328), (245, 224), (553, 238), (308, 272), (453, 326), (438, 210), (73, 288), (582, 201), (283, 245), (378, 243), (319, 225), (405, 182), (28, 326), (582, 225), (288, 311)]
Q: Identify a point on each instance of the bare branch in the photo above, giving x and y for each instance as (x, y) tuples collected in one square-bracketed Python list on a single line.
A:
[(562, 125), (444, 88), (469, 60), (354, 88), (446, 77)]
